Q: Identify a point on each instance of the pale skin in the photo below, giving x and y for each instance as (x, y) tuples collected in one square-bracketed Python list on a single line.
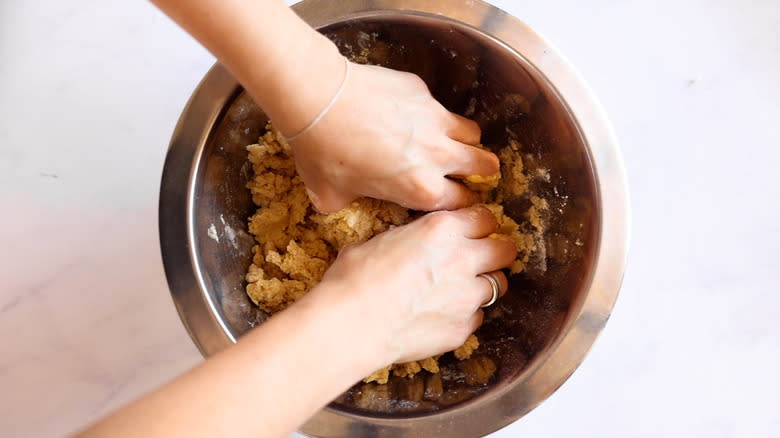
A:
[(404, 295)]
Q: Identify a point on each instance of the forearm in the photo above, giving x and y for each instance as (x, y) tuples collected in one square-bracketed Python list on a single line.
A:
[(268, 384), (291, 70)]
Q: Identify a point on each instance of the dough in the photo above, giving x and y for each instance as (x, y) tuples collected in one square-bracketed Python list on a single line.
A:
[(296, 245)]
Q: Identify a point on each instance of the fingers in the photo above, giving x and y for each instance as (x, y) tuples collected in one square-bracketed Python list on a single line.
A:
[(463, 130), (482, 289), (470, 160), (502, 282), (328, 201), (476, 320), (489, 254), (474, 223), (451, 195)]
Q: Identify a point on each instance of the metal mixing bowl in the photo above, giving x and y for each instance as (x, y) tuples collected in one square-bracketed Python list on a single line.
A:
[(477, 61)]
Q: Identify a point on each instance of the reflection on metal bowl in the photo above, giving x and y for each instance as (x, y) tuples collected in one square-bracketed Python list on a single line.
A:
[(477, 61)]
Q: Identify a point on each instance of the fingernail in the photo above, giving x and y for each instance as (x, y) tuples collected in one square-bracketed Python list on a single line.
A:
[(484, 208), (315, 200)]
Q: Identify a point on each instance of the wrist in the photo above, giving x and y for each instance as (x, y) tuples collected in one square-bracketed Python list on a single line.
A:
[(347, 332), (290, 69), (300, 83)]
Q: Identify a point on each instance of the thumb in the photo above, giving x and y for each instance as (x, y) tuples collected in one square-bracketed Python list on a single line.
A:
[(329, 201)]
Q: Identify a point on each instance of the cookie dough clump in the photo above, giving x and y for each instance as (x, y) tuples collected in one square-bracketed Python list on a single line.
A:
[(295, 245)]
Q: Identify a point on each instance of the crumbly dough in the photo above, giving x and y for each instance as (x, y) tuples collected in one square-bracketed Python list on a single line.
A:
[(296, 244), (468, 347)]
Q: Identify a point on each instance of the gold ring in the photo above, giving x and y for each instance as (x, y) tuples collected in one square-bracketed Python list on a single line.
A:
[(495, 285)]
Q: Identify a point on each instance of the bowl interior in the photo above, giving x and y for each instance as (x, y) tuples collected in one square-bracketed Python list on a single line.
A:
[(471, 74)]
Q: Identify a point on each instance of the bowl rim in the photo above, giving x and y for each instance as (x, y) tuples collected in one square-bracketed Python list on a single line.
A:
[(550, 369)]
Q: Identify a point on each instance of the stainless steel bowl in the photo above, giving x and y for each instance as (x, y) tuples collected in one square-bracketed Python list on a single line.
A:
[(478, 61)]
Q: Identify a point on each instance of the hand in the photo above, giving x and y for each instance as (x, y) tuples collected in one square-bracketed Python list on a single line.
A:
[(386, 137), (414, 291), (409, 293)]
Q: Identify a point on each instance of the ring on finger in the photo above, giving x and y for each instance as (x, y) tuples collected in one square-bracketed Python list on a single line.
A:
[(495, 286)]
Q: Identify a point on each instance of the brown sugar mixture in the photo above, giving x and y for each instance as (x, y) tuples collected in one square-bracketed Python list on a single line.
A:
[(296, 244)]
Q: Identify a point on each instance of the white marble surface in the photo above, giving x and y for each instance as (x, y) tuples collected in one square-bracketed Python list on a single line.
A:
[(90, 92)]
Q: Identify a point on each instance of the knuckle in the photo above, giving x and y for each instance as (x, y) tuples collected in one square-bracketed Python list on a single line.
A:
[(415, 80), (445, 117), (475, 129), (439, 151), (427, 194), (464, 329), (440, 221), (460, 333), (437, 203)]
